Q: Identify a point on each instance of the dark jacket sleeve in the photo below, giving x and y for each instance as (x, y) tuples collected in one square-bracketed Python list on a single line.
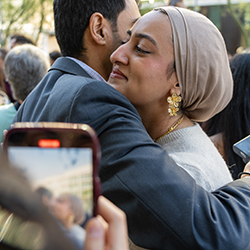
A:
[(164, 206)]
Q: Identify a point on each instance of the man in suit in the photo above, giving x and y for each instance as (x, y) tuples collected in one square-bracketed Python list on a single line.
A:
[(164, 206)]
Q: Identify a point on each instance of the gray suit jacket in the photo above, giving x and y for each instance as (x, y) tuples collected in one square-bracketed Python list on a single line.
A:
[(164, 206)]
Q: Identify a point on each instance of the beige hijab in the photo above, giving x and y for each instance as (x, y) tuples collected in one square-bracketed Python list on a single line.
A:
[(202, 64)]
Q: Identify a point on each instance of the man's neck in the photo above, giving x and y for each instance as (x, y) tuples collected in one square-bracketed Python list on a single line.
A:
[(100, 63), (98, 60)]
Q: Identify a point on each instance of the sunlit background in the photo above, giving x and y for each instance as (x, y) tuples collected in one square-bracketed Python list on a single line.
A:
[(232, 18), (35, 19)]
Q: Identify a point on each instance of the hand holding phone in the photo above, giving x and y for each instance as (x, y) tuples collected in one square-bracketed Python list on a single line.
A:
[(60, 157)]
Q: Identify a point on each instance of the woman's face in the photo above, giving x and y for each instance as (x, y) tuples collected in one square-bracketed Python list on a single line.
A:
[(144, 66)]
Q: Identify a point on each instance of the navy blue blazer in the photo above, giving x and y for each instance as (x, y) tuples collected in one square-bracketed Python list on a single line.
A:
[(164, 206)]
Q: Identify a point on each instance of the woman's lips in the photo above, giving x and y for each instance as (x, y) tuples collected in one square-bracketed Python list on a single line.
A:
[(116, 73)]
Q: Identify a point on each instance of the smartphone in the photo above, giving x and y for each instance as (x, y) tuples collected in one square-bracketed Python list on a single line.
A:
[(242, 149), (60, 157)]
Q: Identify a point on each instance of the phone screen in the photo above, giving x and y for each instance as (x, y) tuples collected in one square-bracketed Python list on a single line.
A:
[(61, 170)]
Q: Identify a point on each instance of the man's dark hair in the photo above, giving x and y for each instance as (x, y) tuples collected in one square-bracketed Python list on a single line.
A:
[(42, 191), (72, 19)]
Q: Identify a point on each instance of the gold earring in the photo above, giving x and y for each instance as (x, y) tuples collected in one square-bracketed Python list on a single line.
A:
[(174, 102)]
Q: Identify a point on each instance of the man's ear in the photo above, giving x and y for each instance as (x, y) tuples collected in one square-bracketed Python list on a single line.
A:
[(98, 26)]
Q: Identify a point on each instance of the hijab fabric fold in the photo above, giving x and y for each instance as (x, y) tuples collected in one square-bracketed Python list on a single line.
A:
[(202, 63)]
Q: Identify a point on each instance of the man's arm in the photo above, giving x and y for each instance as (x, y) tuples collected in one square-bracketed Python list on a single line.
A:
[(164, 206)]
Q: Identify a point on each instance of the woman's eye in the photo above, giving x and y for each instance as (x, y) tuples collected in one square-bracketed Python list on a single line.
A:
[(139, 50)]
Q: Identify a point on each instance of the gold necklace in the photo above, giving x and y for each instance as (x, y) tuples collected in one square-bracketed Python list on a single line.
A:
[(170, 129)]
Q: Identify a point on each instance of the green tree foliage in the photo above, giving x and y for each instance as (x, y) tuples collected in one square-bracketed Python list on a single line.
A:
[(24, 16), (241, 14)]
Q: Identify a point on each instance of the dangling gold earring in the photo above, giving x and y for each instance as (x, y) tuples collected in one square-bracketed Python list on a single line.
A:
[(174, 102)]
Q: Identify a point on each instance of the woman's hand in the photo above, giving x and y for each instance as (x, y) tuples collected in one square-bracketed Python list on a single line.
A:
[(108, 230)]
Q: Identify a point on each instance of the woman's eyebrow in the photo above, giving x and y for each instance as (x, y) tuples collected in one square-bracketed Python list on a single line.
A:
[(141, 35)]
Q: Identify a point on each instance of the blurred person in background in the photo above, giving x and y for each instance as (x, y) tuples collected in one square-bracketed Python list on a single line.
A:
[(177, 3), (68, 209), (5, 92), (14, 40), (47, 197), (18, 39), (233, 123), (53, 56), (4, 99), (25, 65)]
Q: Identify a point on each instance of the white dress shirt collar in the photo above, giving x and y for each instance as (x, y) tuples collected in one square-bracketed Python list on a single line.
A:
[(95, 75)]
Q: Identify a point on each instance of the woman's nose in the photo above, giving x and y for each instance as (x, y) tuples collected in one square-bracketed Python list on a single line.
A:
[(120, 55)]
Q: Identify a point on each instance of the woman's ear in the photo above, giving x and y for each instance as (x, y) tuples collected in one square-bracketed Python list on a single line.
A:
[(99, 27), (176, 89)]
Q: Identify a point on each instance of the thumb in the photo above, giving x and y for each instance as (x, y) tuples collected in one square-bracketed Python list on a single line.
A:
[(95, 235)]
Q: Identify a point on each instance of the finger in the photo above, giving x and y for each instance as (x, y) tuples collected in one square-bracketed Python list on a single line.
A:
[(117, 236), (4, 134), (95, 238), (105, 226)]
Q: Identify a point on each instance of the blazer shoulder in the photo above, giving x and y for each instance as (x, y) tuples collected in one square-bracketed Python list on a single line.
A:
[(68, 66)]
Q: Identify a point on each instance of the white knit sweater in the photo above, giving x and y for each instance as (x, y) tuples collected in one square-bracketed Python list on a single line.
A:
[(192, 150)]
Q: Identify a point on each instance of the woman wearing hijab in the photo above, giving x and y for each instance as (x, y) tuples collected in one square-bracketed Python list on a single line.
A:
[(174, 69)]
